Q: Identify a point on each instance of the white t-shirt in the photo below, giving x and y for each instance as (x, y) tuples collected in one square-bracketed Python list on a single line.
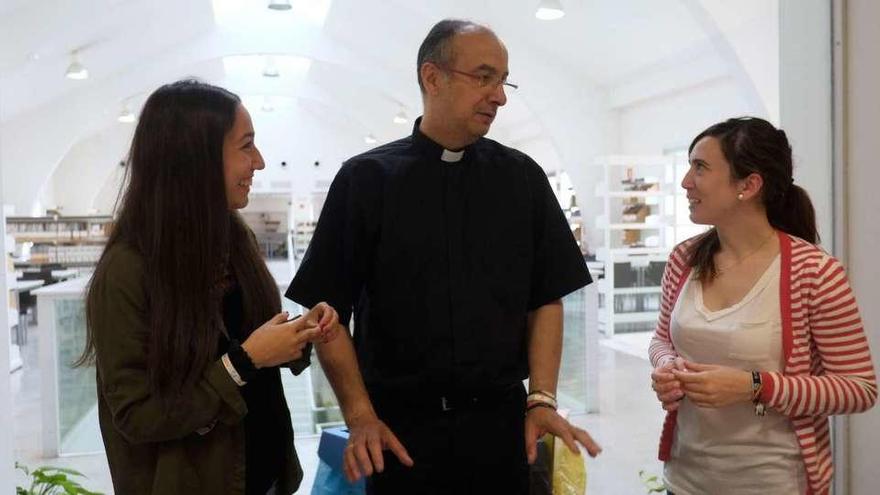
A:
[(731, 450)]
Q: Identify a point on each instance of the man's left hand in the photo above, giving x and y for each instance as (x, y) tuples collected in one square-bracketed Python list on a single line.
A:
[(542, 420)]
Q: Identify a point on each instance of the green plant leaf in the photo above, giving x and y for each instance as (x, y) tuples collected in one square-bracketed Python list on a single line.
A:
[(22, 467), (72, 472), (651, 482)]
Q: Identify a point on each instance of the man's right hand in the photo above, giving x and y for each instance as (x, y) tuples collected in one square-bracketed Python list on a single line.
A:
[(367, 438)]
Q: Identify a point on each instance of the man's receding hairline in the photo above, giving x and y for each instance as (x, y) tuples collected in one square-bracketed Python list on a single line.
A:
[(475, 29)]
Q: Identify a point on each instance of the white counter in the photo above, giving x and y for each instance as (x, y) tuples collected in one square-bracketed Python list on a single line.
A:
[(68, 288)]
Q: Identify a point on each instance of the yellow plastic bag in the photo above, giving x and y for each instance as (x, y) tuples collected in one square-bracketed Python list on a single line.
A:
[(569, 471)]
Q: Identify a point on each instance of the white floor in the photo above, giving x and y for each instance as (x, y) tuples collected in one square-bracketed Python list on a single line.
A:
[(627, 427)]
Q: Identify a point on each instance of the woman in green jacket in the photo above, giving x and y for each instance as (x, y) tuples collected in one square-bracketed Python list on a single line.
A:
[(183, 315)]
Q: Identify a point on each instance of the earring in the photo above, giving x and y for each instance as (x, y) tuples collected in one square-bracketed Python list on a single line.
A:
[(739, 196)]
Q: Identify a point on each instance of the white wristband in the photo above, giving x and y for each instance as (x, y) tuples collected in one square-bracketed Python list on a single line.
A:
[(543, 399), (232, 371)]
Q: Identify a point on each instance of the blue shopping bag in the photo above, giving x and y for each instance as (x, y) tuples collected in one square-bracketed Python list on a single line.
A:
[(329, 479)]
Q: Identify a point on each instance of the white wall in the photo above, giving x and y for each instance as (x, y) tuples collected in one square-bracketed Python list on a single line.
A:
[(671, 121), (805, 100), (863, 204), (300, 136), (576, 126)]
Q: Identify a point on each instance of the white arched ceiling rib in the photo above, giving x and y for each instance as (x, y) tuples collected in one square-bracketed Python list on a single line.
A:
[(690, 69), (745, 35)]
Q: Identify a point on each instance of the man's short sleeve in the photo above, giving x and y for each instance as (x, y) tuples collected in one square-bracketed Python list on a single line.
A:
[(559, 267)]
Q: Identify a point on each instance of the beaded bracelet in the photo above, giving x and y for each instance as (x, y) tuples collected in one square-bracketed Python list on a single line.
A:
[(536, 405), (543, 397), (757, 387), (544, 393)]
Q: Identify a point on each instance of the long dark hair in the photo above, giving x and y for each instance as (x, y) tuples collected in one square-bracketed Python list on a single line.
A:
[(174, 214), (753, 146)]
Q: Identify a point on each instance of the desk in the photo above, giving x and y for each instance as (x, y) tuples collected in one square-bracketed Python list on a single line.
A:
[(14, 352), (17, 287), (25, 285), (64, 274)]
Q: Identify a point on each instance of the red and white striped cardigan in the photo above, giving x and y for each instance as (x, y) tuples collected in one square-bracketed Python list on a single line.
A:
[(828, 368)]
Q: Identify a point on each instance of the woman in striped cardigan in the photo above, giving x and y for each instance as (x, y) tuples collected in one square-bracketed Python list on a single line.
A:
[(759, 338)]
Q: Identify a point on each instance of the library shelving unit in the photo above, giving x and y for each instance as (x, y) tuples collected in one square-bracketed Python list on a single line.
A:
[(75, 241), (638, 226)]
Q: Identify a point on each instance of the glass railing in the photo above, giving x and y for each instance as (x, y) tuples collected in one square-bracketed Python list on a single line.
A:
[(70, 418)]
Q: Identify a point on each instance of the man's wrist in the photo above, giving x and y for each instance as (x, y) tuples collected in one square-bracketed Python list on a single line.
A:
[(538, 396)]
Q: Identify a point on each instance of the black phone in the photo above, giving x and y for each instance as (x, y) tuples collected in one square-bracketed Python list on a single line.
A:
[(299, 365)]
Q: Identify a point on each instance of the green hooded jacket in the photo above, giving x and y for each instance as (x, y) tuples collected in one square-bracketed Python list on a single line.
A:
[(196, 448)]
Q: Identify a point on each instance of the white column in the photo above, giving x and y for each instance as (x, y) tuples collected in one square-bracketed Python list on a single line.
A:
[(805, 100), (862, 128), (7, 478)]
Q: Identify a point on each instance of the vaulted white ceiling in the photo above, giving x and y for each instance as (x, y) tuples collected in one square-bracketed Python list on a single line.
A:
[(349, 64)]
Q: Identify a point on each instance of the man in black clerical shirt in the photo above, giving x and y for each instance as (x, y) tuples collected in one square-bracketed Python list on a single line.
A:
[(453, 254)]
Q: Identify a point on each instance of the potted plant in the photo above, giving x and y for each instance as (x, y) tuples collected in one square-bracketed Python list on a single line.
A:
[(49, 480)]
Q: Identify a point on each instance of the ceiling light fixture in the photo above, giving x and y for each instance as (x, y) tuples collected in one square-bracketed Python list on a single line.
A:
[(370, 139), (76, 70), (549, 10), (401, 117), (125, 116), (279, 4)]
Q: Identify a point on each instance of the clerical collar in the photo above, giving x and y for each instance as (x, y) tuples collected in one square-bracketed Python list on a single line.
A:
[(451, 156), (433, 149)]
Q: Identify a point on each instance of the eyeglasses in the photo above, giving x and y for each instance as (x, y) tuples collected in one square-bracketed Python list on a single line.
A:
[(486, 80)]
